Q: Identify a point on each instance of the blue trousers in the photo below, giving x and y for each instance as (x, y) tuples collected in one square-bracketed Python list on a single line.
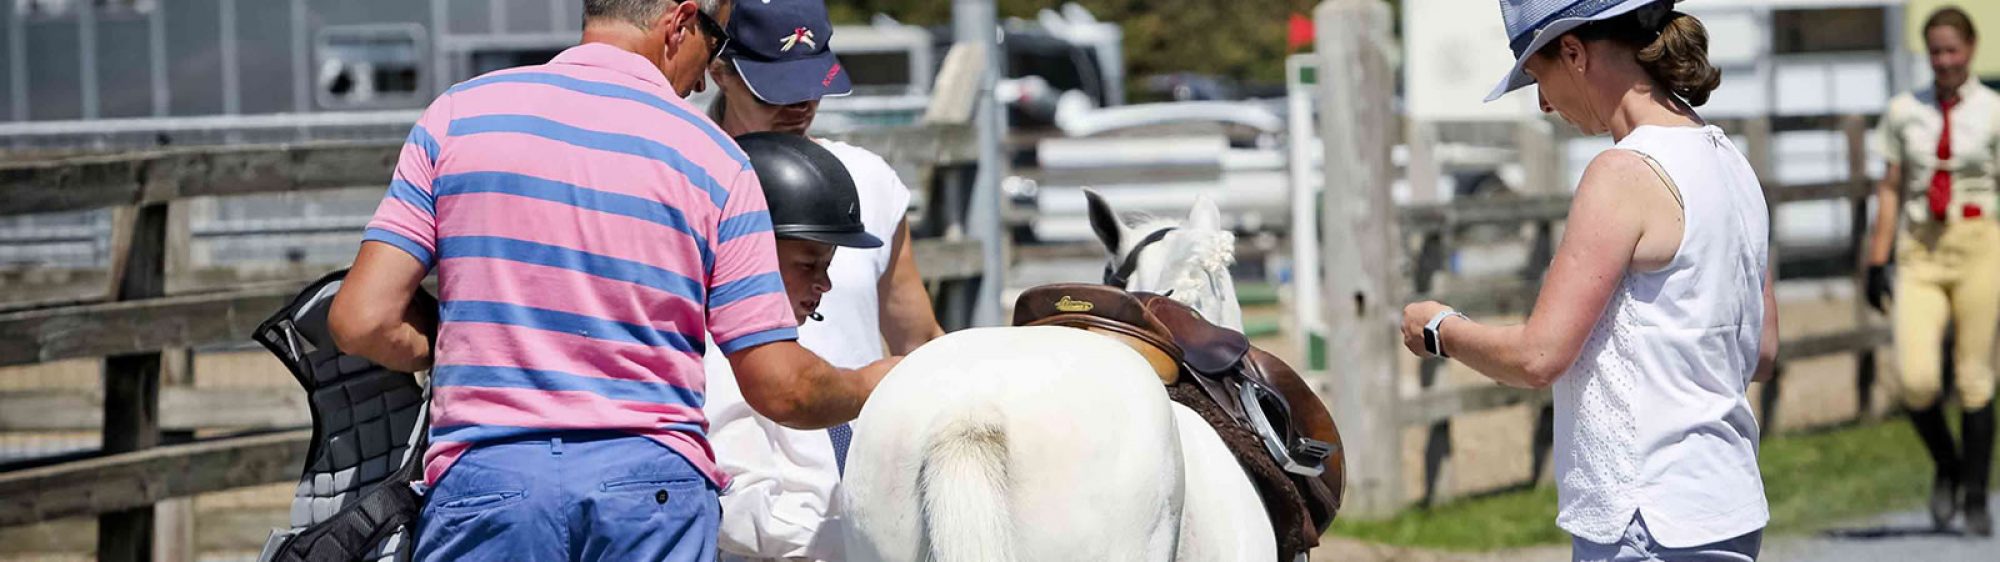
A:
[(1638, 546), (570, 496)]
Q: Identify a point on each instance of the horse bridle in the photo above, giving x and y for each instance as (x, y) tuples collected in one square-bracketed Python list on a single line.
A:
[(1118, 274)]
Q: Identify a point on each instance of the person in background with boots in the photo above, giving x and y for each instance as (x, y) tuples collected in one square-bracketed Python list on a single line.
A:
[(1941, 144)]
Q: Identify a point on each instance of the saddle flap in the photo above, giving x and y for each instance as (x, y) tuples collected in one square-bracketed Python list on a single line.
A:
[(1311, 419), (1206, 348)]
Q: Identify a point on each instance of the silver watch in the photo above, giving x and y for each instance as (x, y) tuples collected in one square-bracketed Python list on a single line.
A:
[(1433, 341)]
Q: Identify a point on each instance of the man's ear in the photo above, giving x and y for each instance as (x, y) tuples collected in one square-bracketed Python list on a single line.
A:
[(673, 24)]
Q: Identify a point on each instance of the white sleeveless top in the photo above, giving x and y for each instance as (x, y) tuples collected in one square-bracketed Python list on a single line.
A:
[(1652, 417)]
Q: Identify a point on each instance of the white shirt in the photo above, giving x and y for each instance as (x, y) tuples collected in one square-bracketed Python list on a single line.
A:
[(1908, 135), (1652, 417), (785, 479)]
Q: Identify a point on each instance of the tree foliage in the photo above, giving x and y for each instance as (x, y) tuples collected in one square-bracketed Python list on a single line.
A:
[(1240, 40)]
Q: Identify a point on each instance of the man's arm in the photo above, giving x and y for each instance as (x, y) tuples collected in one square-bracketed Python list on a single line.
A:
[(378, 315), (907, 318), (796, 388)]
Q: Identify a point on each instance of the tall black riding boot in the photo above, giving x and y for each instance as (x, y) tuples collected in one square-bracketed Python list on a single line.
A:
[(1977, 469), (1944, 484)]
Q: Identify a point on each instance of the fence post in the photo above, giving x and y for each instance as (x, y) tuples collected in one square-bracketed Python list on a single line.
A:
[(174, 519), (1855, 128), (1437, 248), (1363, 252), (132, 381)]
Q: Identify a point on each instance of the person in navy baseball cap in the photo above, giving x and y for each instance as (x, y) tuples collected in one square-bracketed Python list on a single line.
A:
[(781, 48)]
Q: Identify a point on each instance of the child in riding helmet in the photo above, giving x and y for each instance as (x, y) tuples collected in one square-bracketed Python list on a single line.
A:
[(814, 211)]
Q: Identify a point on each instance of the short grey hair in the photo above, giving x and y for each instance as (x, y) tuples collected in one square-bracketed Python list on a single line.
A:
[(641, 12), (636, 12)]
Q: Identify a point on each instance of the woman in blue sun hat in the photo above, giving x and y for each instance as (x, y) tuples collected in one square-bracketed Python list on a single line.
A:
[(1657, 312)]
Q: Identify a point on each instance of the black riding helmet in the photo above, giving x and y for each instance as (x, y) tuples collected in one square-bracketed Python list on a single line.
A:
[(810, 194)]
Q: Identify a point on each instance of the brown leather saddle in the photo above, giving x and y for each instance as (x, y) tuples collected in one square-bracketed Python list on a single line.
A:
[(1256, 390)]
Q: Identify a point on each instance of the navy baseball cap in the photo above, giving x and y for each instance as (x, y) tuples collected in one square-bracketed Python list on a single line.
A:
[(781, 48)]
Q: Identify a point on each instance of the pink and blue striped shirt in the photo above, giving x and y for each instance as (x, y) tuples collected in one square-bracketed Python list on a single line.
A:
[(588, 227)]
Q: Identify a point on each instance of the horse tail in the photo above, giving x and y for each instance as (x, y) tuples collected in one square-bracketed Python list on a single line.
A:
[(963, 487)]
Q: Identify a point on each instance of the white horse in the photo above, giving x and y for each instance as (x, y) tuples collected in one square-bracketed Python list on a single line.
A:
[(1050, 443)]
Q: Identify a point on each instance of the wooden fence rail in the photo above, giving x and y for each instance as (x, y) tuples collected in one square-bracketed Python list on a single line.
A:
[(136, 480)]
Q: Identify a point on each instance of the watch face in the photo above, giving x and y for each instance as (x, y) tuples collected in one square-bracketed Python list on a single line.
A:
[(1431, 341)]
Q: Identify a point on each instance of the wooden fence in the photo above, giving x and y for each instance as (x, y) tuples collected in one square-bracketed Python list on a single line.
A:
[(143, 398)]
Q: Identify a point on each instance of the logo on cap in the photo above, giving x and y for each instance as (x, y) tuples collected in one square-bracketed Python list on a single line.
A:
[(800, 35)]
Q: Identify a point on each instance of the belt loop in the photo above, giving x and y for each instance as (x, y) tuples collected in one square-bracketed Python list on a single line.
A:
[(555, 446)]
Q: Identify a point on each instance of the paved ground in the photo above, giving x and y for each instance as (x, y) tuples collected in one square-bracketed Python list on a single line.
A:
[(1897, 537)]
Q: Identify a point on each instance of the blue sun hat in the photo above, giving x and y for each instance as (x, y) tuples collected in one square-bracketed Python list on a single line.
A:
[(1532, 24), (782, 50)]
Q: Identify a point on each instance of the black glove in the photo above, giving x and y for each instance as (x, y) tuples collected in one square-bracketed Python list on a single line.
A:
[(1879, 287)]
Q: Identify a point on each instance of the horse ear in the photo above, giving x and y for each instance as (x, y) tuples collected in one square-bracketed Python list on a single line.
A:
[(1103, 221), (1205, 215)]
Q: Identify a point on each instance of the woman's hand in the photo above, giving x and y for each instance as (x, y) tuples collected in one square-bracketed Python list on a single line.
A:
[(1414, 317)]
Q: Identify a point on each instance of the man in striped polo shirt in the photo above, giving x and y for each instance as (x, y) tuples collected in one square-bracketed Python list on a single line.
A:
[(589, 228)]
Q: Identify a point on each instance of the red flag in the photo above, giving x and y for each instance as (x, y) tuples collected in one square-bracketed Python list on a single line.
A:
[(1299, 32)]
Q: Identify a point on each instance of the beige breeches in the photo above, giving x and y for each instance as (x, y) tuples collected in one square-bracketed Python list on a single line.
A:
[(1947, 272)]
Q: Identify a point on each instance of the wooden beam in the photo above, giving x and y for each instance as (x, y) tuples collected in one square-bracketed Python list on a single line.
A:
[(181, 409), (1361, 240), (1497, 210), (1848, 341), (956, 91), (105, 329), (131, 381), (944, 260), (1440, 405), (1843, 189), (129, 480), (1489, 296), (158, 176)]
